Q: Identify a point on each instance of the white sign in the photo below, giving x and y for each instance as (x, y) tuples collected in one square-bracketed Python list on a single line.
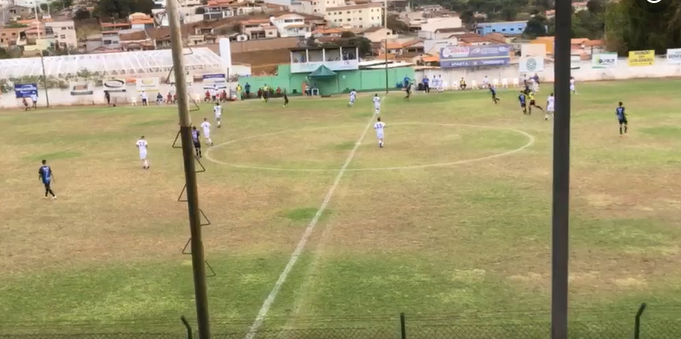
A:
[(115, 85), (531, 64), (604, 60), (674, 55), (81, 88), (309, 67), (148, 84), (575, 62)]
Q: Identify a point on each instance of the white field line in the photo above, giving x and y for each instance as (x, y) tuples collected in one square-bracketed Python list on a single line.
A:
[(260, 318)]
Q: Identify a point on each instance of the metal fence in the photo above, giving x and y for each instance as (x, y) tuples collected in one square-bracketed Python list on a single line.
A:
[(662, 323)]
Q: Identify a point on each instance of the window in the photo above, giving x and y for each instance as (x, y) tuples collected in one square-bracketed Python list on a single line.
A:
[(63, 36), (348, 12), (107, 42), (494, 30), (63, 28), (511, 29), (504, 29), (349, 19)]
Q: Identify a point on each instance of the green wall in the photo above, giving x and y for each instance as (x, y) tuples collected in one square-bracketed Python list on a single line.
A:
[(360, 80)]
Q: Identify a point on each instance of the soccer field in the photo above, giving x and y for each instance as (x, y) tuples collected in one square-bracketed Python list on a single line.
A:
[(451, 217)]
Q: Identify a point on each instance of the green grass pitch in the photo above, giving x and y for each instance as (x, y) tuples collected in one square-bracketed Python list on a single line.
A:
[(451, 217)]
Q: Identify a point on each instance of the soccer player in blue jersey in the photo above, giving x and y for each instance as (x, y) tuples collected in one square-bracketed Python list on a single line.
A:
[(47, 177), (493, 90), (196, 139), (622, 117), (522, 98)]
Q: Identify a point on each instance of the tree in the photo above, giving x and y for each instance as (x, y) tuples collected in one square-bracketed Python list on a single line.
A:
[(595, 6), (509, 13), (397, 25), (629, 28), (536, 26), (122, 8), (82, 14), (347, 34), (363, 45), (467, 17)]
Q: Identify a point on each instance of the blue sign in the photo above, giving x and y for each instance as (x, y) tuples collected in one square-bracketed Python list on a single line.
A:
[(474, 56), (25, 90)]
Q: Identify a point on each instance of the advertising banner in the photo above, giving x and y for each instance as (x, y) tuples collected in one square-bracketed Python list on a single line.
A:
[(25, 90), (473, 56), (641, 58), (575, 62), (674, 55), (531, 64), (81, 88), (148, 84), (214, 81), (604, 60), (115, 86)]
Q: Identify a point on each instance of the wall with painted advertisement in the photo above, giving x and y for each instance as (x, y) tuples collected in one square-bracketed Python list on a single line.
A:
[(475, 56), (149, 85), (604, 60), (674, 56), (641, 58)]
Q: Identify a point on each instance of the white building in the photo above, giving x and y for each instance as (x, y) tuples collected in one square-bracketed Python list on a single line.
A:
[(321, 6), (357, 16), (291, 25), (64, 33), (433, 24)]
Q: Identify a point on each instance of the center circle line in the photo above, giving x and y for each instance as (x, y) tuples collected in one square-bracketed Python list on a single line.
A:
[(530, 141)]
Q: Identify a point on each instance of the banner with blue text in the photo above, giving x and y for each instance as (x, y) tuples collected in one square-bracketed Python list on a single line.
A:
[(475, 56)]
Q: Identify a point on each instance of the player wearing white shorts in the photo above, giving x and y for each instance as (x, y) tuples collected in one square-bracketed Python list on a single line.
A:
[(379, 126), (218, 114), (353, 97), (206, 131), (572, 85), (440, 84), (142, 146), (377, 104), (550, 106)]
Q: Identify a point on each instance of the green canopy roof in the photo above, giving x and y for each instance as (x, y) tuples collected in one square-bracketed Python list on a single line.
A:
[(322, 72)]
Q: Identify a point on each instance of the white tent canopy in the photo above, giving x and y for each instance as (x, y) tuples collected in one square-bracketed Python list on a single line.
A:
[(111, 64)]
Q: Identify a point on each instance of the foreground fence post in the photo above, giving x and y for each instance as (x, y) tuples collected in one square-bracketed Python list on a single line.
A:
[(189, 327), (637, 321), (403, 326)]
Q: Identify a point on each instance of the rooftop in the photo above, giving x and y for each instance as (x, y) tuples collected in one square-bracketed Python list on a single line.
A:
[(109, 64), (501, 23)]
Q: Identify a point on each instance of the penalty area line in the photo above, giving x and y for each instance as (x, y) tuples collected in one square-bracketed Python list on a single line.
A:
[(260, 318)]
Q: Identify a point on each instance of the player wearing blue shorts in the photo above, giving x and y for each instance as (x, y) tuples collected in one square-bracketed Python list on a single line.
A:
[(47, 177), (493, 91), (522, 98), (622, 118)]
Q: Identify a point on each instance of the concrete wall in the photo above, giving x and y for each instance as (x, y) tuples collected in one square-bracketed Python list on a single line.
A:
[(63, 97), (661, 69)]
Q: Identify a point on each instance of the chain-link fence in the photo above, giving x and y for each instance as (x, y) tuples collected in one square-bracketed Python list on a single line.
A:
[(658, 323)]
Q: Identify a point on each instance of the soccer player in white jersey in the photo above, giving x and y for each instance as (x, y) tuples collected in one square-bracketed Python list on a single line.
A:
[(377, 104), (218, 114), (379, 126), (572, 85), (353, 97), (145, 98), (440, 84), (206, 131), (550, 106), (142, 146)]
